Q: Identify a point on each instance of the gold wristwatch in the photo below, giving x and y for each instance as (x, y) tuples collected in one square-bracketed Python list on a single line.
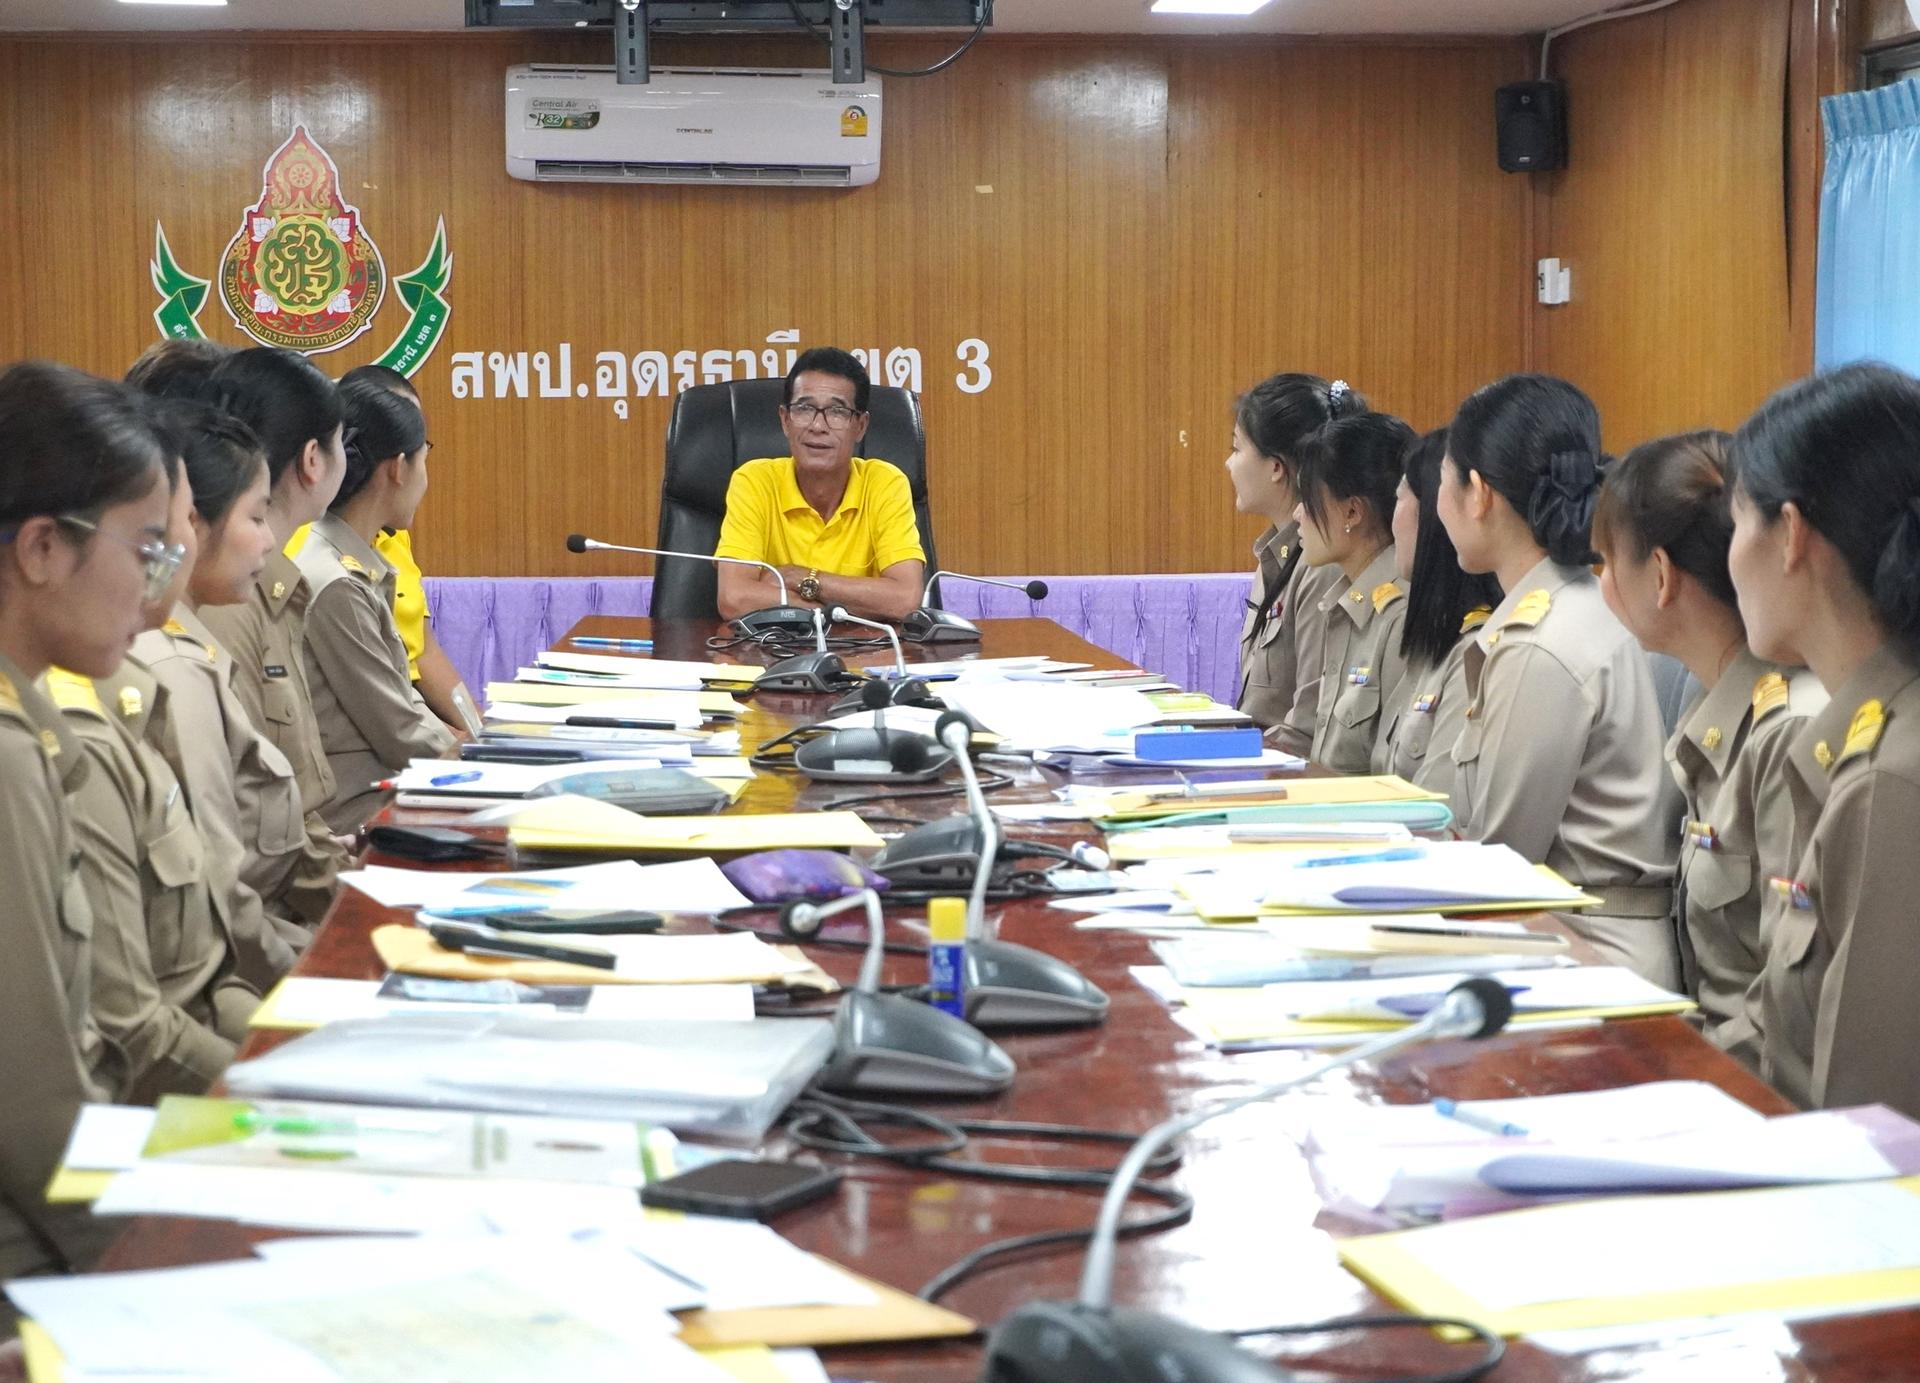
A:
[(810, 586)]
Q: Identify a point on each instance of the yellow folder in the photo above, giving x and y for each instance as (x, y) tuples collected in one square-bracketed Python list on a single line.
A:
[(1230, 901), (1292, 792), (413, 951), (1248, 1015), (1392, 1264)]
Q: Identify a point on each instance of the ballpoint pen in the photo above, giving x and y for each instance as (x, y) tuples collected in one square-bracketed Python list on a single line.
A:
[(612, 643), (1406, 852), (447, 780), (1450, 1109)]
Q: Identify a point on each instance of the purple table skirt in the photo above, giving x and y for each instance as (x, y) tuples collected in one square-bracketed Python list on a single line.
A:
[(1187, 628)]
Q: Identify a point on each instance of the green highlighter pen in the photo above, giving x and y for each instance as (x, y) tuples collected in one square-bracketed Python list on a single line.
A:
[(253, 1121)]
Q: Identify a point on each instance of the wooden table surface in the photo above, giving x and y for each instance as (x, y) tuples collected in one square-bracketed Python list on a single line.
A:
[(1259, 1248)]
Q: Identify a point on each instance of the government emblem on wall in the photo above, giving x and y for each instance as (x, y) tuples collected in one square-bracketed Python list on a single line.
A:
[(301, 271)]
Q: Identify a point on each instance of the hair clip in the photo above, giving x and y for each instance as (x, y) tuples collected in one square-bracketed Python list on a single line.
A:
[(1337, 390)]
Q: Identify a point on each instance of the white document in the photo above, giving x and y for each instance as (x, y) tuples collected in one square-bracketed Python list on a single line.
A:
[(306, 1197), (107, 1137), (613, 664), (479, 779), (742, 1266), (1031, 715), (1446, 873), (1536, 990), (682, 708), (695, 885), (497, 1311), (315, 1001), (1267, 758), (1630, 1246), (726, 958)]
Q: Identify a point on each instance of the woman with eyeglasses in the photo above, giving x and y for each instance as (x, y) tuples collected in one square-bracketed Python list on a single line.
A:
[(372, 719), (177, 973), (83, 542), (1826, 561)]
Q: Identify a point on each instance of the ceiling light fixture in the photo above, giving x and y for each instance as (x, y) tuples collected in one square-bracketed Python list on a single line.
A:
[(1228, 8)]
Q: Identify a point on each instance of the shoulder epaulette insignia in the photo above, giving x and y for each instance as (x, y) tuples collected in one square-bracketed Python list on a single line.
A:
[(1476, 617), (1769, 694), (1863, 731), (72, 692), (352, 564), (9, 694), (1712, 738), (174, 627), (279, 590), (1532, 607), (131, 702), (1385, 594)]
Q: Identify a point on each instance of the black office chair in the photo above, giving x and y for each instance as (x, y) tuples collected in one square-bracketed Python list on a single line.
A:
[(715, 428)]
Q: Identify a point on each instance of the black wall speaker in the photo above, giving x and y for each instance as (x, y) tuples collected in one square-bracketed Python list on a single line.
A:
[(1532, 120)]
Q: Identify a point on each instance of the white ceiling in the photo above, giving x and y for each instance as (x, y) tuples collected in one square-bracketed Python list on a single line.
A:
[(1010, 16)]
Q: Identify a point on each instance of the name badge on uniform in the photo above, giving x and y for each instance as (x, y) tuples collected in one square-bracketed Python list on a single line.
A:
[(1360, 676), (275, 670), (1792, 890), (1701, 834), (1424, 703)]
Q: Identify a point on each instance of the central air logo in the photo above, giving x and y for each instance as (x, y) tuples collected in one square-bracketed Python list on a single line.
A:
[(302, 272)]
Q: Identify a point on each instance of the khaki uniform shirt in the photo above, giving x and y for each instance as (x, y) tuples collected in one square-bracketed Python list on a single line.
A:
[(1730, 757), (159, 947), (1361, 667), (264, 638), (1416, 739), (48, 1043), (1839, 1025), (372, 718), (1560, 759), (1282, 637), (190, 731)]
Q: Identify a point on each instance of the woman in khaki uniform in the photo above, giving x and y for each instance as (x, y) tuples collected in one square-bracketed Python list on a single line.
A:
[(164, 993), (1664, 525), (1559, 756), (1826, 559), (1444, 605), (372, 719), (1283, 634), (294, 411), (83, 540), (1347, 474)]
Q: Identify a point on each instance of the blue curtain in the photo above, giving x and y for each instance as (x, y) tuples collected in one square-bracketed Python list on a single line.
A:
[(1868, 305)]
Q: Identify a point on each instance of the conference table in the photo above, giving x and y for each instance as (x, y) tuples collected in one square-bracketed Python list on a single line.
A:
[(1258, 1250)]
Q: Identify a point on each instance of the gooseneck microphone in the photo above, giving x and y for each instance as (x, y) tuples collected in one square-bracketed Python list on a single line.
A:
[(1091, 1341), (840, 614), (1009, 985), (888, 1043), (928, 625), (784, 619)]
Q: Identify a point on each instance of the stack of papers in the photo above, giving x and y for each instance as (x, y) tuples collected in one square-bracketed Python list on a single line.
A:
[(726, 958), (664, 673), (684, 886), (1445, 877), (573, 825), (510, 700), (1316, 1013), (301, 1003), (1242, 960)]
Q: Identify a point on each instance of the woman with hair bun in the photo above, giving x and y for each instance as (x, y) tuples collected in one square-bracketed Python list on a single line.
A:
[(371, 716), (1559, 753), (1283, 637), (1664, 525), (1826, 560)]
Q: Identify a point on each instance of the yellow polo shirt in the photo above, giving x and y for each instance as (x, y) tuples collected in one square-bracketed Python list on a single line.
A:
[(769, 520), (410, 610)]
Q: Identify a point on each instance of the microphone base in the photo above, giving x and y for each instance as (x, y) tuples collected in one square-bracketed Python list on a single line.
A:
[(777, 621), (927, 625), (806, 673), (868, 756), (910, 691), (1009, 986), (889, 1044), (1066, 1342)]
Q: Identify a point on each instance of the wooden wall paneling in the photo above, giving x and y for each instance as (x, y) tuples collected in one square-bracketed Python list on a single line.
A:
[(1339, 210), (1167, 222), (1671, 216), (1884, 21)]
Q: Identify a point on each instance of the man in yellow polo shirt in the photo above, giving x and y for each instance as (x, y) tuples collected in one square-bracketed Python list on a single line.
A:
[(839, 527)]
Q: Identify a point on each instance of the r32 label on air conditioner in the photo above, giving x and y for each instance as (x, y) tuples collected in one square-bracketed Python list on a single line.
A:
[(558, 113)]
